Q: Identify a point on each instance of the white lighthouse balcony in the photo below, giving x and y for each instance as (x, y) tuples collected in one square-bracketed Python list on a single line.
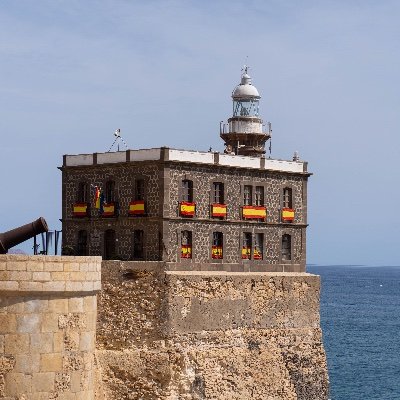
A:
[(245, 125)]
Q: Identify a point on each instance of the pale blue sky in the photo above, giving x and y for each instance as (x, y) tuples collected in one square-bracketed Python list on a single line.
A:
[(71, 72)]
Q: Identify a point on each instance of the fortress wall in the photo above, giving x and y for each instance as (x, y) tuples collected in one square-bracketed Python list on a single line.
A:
[(47, 326), (210, 335)]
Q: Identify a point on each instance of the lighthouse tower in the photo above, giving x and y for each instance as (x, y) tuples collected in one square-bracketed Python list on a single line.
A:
[(245, 133)]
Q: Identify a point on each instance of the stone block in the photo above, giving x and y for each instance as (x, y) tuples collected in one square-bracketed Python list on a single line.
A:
[(28, 323), (9, 285), (54, 286), (27, 363), (58, 306), (86, 341), (16, 343), (31, 286), (51, 362), (54, 266), (36, 305), (34, 265), (60, 276), (75, 305), (16, 266), (15, 384), (8, 323), (76, 379), (41, 342), (43, 381), (49, 323), (71, 266), (20, 276), (73, 286), (58, 342), (89, 303), (41, 276), (87, 286), (78, 276)]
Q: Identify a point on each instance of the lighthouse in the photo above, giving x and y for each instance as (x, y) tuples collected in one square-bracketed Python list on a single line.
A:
[(245, 133)]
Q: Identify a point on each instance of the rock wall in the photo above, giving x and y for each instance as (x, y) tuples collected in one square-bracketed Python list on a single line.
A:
[(209, 335), (48, 313)]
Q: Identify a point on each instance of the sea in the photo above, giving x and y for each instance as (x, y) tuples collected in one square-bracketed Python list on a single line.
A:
[(360, 319)]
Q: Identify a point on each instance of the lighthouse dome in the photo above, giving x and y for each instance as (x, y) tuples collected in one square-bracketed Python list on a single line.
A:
[(245, 90)]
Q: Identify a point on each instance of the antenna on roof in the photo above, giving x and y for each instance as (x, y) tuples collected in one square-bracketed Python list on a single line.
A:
[(118, 139)]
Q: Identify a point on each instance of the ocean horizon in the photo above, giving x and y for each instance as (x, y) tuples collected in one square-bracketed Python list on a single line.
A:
[(360, 321)]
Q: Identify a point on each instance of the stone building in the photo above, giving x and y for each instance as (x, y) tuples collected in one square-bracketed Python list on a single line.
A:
[(236, 210)]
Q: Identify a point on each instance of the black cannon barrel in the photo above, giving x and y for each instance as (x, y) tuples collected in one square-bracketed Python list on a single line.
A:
[(18, 235)]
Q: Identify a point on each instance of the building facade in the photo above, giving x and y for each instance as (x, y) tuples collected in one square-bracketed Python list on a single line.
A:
[(236, 211)]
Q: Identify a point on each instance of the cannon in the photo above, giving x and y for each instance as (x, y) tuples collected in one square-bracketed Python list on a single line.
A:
[(18, 235)]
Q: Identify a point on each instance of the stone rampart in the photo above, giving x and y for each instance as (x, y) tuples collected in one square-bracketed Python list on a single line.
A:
[(209, 335), (47, 326)]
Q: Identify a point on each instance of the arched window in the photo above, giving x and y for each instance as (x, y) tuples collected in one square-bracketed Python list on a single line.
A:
[(187, 190), (110, 191), (286, 247), (82, 195), (287, 198), (186, 244), (217, 249), (138, 244), (82, 243), (109, 244)]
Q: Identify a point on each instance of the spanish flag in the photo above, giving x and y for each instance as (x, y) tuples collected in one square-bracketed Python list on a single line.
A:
[(218, 210), (254, 212), (136, 207), (186, 251), (187, 209), (80, 209), (287, 215), (97, 198)]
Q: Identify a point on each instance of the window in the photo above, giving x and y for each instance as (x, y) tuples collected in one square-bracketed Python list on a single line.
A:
[(258, 246), (110, 192), (259, 196), (138, 244), (82, 192), (139, 189), (286, 247), (217, 245), (187, 191), (109, 244), (186, 244), (287, 198), (247, 195), (82, 243), (218, 193), (246, 249)]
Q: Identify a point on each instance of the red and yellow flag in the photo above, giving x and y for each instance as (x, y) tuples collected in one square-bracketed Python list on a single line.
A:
[(97, 198), (217, 252), (186, 251), (136, 207), (218, 210), (254, 212), (80, 209), (108, 210), (257, 254), (246, 253), (187, 209), (287, 215)]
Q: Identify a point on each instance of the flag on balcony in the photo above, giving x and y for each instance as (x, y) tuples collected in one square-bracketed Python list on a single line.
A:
[(246, 253), (217, 252), (136, 207), (186, 251), (287, 215), (108, 210), (97, 197), (218, 210), (254, 212), (187, 209), (80, 209)]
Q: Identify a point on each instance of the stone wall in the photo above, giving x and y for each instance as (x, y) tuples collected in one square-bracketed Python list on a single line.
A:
[(47, 326), (209, 335)]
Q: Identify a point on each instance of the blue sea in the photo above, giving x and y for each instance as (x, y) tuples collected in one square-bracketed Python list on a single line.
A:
[(360, 318)]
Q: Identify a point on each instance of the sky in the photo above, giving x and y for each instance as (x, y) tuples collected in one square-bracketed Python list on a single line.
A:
[(72, 72)]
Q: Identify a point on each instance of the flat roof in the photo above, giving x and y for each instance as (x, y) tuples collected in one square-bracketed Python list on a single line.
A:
[(186, 156)]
